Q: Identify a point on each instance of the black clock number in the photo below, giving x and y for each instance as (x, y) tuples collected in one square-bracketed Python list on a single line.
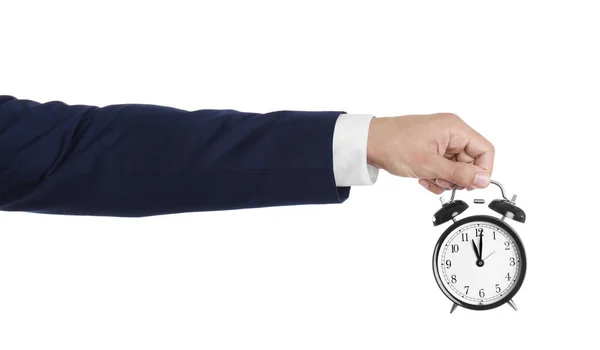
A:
[(507, 276), (478, 232), (455, 248), (498, 290), (481, 293), (512, 261), (448, 264), (453, 278), (467, 290), (465, 237), (494, 235), (507, 245)]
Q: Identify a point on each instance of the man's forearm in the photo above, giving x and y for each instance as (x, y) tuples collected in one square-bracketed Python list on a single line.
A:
[(138, 160)]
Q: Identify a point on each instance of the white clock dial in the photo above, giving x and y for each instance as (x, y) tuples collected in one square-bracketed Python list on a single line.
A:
[(479, 263)]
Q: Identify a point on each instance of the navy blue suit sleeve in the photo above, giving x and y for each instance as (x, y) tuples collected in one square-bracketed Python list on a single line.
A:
[(135, 160)]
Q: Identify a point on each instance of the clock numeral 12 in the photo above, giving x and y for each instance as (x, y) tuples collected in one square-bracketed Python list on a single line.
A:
[(478, 232)]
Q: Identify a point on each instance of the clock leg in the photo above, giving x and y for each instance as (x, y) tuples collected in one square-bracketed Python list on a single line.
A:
[(453, 308), (512, 304)]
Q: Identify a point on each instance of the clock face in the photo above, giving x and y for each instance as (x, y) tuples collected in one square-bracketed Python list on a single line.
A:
[(479, 262)]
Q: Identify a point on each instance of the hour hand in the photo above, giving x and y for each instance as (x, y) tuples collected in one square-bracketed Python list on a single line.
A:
[(476, 250)]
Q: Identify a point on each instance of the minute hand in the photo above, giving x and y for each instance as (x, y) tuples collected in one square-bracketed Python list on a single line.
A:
[(480, 245)]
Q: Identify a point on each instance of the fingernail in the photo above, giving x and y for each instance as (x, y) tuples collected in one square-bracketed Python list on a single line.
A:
[(481, 180), (424, 184)]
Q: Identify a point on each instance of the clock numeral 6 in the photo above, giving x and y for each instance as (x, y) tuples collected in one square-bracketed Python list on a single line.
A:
[(481, 293), (498, 290), (448, 264), (512, 261), (453, 278)]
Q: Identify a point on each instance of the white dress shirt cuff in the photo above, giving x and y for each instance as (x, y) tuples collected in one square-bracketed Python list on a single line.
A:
[(350, 166)]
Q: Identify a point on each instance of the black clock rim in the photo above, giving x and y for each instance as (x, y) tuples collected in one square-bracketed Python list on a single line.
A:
[(522, 257)]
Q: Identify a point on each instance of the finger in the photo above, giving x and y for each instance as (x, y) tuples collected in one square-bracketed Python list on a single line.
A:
[(464, 157), (444, 184), (462, 174), (447, 185), (482, 151), (430, 186), (486, 161), (432, 182)]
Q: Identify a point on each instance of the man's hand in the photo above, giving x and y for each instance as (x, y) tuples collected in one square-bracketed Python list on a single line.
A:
[(439, 149)]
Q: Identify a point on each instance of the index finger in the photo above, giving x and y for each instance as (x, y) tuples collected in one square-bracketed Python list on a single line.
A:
[(482, 152)]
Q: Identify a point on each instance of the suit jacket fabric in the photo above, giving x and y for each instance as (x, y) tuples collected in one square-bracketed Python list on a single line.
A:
[(136, 160)]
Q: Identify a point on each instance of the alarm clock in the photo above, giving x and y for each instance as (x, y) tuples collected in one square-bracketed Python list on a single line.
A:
[(479, 261)]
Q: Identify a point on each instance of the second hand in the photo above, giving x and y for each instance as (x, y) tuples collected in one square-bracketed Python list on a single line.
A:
[(489, 255)]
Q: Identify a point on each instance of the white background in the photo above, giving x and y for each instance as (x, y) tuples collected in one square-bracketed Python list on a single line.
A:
[(350, 276)]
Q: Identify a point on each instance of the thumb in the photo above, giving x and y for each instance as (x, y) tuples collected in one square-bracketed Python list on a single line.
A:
[(459, 173)]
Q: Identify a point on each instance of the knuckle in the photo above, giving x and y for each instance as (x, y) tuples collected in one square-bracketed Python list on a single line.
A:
[(449, 116)]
